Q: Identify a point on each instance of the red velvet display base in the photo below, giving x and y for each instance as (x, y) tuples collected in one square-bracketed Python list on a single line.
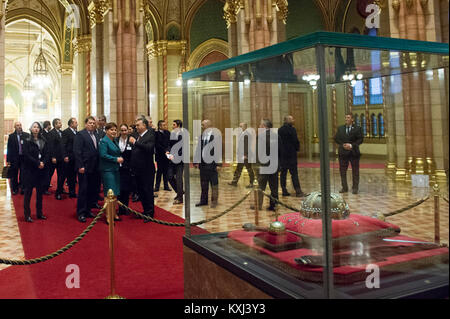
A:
[(344, 232), (390, 257)]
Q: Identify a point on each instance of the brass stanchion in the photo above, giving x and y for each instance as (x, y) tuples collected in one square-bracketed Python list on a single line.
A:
[(437, 230), (256, 191), (110, 213)]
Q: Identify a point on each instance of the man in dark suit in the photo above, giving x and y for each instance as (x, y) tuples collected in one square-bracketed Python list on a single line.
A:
[(208, 166), (142, 164), (162, 146), (68, 136), (85, 149), (349, 137), (57, 156), (243, 148), (14, 157), (47, 127), (175, 171), (101, 122), (289, 147), (267, 163)]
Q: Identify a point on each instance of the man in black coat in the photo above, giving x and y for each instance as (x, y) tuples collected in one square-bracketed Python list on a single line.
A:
[(85, 149), (208, 167), (68, 136), (100, 126), (267, 168), (162, 146), (47, 127), (289, 147), (56, 156), (175, 171), (14, 157), (349, 137), (143, 166)]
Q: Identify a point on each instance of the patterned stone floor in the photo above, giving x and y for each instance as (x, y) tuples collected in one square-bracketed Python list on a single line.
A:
[(378, 193)]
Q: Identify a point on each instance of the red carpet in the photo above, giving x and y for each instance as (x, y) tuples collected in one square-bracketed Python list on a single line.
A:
[(149, 257)]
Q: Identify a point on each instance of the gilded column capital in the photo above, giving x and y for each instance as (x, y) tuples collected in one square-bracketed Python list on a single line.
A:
[(66, 69), (3, 10), (231, 9), (396, 5), (152, 50), (282, 8), (82, 44), (162, 47), (97, 10)]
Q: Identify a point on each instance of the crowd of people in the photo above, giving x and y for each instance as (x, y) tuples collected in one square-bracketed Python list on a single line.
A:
[(122, 158)]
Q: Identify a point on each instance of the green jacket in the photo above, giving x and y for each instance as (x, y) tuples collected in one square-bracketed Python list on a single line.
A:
[(109, 152)]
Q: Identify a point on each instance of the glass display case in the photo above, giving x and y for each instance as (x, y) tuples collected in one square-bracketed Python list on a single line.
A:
[(373, 236)]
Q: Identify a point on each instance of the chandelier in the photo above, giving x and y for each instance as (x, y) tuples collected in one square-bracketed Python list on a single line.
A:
[(40, 69), (28, 88), (311, 79)]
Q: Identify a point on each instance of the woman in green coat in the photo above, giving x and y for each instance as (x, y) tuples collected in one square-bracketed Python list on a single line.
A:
[(110, 161)]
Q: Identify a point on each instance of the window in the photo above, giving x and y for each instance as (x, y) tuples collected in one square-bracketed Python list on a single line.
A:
[(364, 124), (358, 93), (374, 121), (375, 91), (381, 124)]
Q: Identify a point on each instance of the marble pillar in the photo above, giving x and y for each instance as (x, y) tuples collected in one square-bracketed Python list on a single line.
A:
[(253, 25), (66, 92), (2, 76), (82, 50), (420, 142)]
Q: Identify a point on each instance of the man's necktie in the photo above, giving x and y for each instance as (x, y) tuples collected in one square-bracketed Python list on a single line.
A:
[(93, 140), (20, 144)]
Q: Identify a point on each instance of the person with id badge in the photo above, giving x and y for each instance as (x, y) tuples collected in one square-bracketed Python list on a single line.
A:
[(36, 161), (126, 180)]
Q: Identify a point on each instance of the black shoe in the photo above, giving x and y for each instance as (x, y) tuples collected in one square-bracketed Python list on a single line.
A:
[(117, 219), (28, 220), (232, 184), (355, 191), (81, 219), (201, 204), (272, 208), (22, 192), (73, 196), (100, 198), (89, 215), (147, 220), (285, 193), (42, 217), (47, 193), (156, 190), (64, 192), (97, 206), (343, 190), (135, 198), (14, 192), (58, 197), (167, 189), (300, 194)]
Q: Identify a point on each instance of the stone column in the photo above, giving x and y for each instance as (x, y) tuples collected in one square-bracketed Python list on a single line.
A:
[(97, 10), (418, 20), (66, 92), (254, 25), (82, 50), (154, 83), (2, 75)]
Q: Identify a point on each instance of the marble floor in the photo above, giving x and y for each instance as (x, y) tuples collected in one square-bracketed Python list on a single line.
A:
[(378, 193)]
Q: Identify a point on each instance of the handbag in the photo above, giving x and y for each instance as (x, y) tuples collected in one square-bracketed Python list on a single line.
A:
[(5, 172)]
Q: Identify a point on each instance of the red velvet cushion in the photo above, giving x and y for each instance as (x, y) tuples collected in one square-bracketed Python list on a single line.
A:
[(356, 227)]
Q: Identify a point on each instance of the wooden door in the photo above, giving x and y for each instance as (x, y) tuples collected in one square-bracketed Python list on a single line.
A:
[(216, 107), (297, 110)]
